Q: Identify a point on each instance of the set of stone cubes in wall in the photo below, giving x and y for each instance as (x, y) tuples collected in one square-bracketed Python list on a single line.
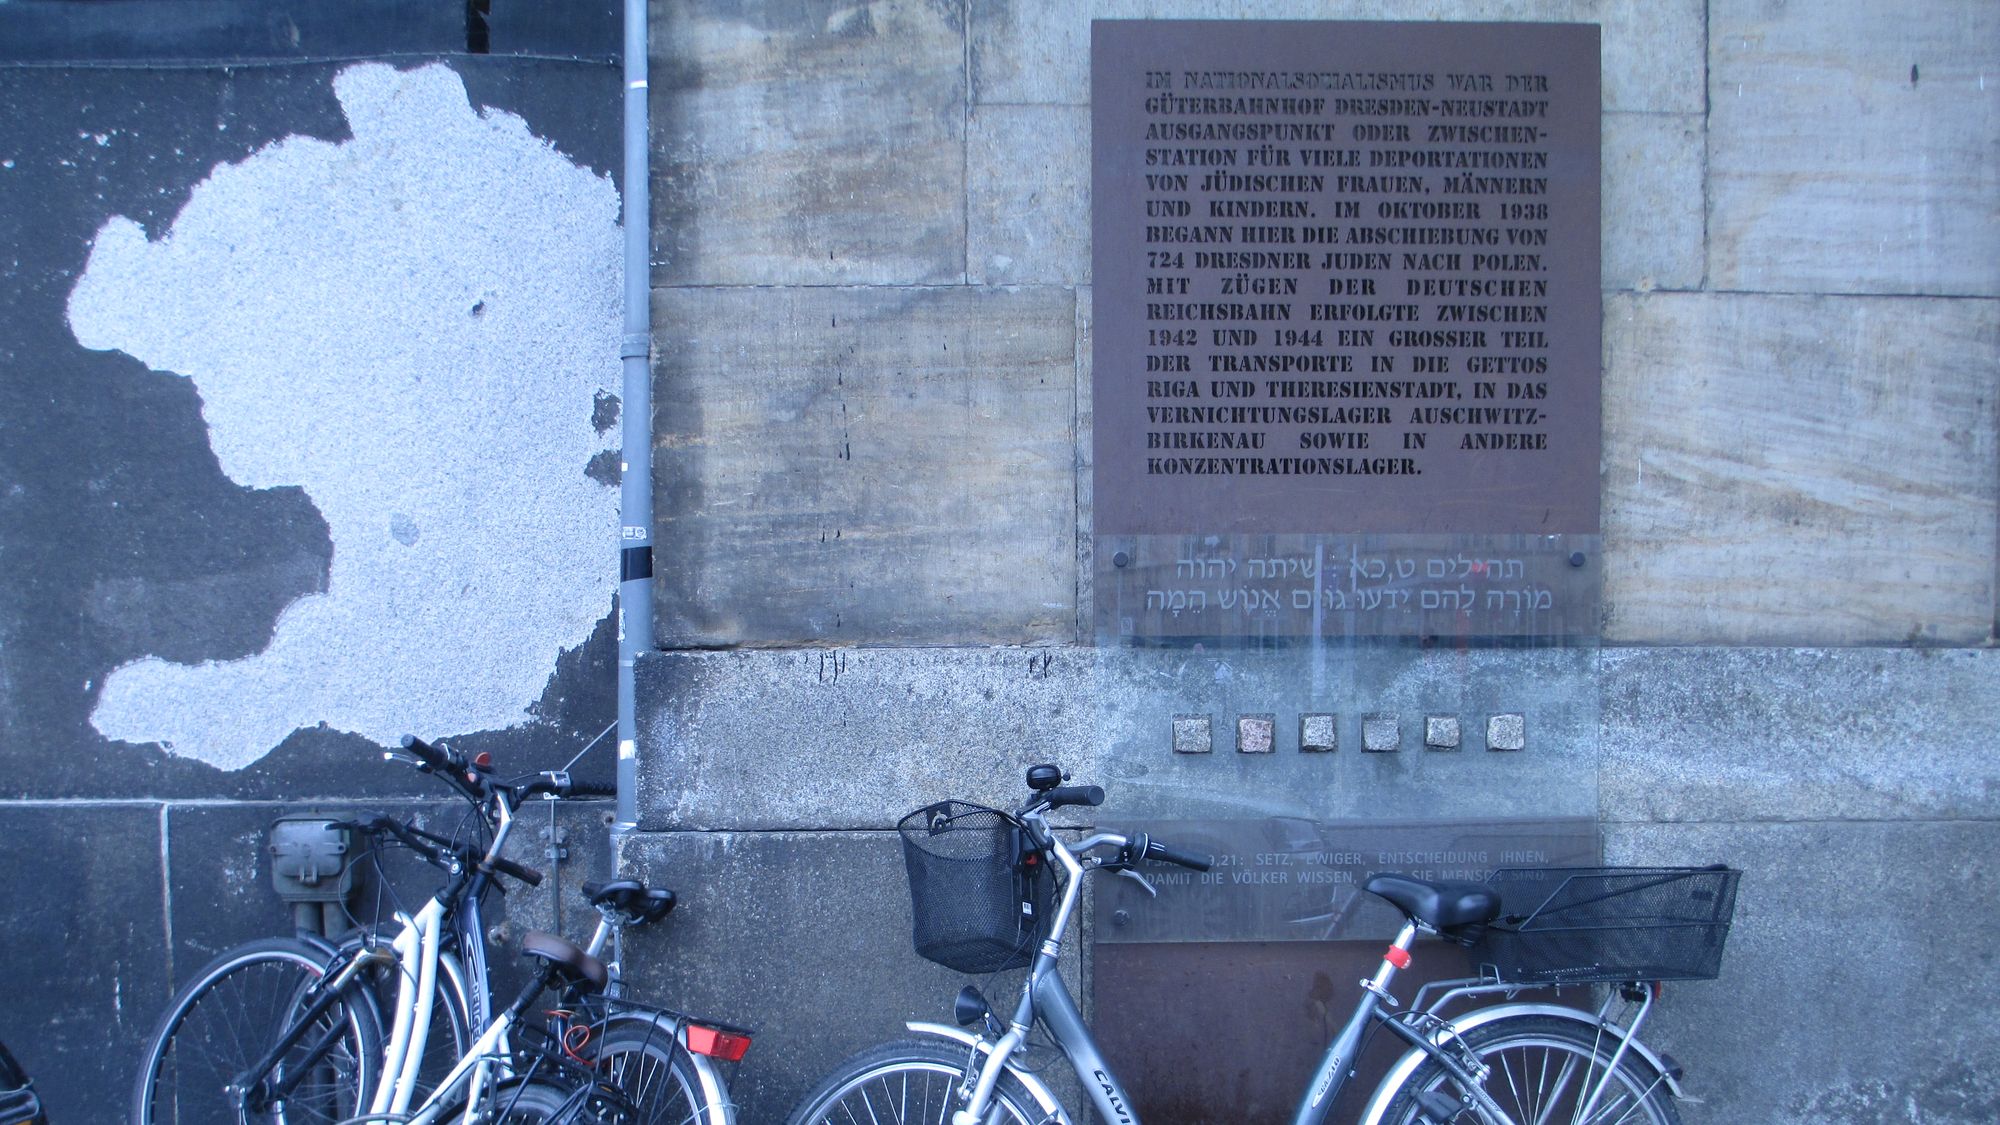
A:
[(1320, 733)]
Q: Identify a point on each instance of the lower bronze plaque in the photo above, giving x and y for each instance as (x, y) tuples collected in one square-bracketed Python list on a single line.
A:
[(1235, 968)]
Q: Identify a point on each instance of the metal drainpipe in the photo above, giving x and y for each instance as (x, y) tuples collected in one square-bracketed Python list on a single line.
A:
[(635, 490)]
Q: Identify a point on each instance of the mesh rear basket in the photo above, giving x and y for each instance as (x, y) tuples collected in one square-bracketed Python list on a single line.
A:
[(978, 894), (1610, 924)]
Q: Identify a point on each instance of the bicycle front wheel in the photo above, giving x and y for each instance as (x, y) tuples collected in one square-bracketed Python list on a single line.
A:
[(644, 1060), (912, 1083), (1543, 1069), (226, 1019)]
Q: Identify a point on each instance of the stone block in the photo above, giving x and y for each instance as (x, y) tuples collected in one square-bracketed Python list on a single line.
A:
[(1840, 936), (1028, 195), (1851, 147), (1441, 732), (1319, 734), (1799, 470), (855, 738), (1193, 735), (1256, 734), (1381, 734), (816, 143), (1654, 210), (1703, 734), (865, 465), (1507, 732), (80, 897), (1038, 51), (818, 958)]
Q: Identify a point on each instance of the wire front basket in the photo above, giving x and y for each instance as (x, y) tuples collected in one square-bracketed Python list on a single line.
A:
[(979, 895), (1610, 924)]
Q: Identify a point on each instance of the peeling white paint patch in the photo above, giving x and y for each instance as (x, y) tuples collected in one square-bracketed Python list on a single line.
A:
[(411, 326)]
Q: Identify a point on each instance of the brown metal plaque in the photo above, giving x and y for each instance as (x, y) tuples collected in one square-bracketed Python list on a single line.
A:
[(1345, 277)]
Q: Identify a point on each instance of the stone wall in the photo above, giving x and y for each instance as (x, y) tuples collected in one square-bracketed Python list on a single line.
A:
[(872, 296)]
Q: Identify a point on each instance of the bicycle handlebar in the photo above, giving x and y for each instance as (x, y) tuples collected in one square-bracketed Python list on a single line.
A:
[(1091, 795), (1168, 854)]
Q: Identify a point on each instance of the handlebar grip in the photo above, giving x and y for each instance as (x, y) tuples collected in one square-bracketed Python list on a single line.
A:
[(1166, 854), (526, 875), (592, 789), (1092, 795), (426, 753)]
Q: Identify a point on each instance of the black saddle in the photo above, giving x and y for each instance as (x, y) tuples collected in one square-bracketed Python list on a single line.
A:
[(1441, 906), (636, 901), (571, 964)]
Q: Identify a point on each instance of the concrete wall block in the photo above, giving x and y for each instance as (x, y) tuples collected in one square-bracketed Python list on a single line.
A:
[(855, 738), (81, 905), (1788, 734), (1086, 496), (1038, 51), (865, 465), (811, 143), (1839, 935), (1851, 147), (1654, 207), (1028, 195), (1799, 470), (805, 937)]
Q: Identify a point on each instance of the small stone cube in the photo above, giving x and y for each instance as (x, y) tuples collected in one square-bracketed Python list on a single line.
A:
[(1381, 734), (1256, 734), (1319, 733), (1507, 732), (1191, 735), (1441, 732)]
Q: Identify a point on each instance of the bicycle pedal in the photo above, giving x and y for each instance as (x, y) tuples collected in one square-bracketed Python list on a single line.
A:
[(1438, 1106)]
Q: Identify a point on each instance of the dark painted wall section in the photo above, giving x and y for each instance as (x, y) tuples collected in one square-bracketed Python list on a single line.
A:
[(122, 866)]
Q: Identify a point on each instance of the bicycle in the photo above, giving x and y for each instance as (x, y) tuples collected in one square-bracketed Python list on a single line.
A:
[(290, 1029), (981, 884)]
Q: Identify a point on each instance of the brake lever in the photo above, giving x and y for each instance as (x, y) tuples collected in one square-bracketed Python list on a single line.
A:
[(1127, 872)]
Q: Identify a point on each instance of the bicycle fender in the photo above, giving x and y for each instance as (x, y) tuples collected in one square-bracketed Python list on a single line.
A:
[(1052, 1110), (721, 1111), (1413, 1058)]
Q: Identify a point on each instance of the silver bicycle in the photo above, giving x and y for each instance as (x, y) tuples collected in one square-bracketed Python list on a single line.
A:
[(983, 884), (291, 1031)]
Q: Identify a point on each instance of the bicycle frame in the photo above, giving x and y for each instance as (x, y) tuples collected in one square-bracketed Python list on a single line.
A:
[(1046, 1000), (419, 953)]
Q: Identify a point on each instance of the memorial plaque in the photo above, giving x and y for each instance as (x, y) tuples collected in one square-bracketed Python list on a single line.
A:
[(1347, 291), (1284, 879), (1345, 278)]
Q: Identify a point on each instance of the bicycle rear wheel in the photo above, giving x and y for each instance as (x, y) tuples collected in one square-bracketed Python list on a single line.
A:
[(645, 1061), (229, 1016), (1543, 1069), (908, 1084)]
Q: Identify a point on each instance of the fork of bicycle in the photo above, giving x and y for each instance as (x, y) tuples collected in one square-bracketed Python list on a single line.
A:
[(402, 1027)]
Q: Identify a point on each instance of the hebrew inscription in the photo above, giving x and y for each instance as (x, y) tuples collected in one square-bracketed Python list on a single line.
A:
[(1346, 281)]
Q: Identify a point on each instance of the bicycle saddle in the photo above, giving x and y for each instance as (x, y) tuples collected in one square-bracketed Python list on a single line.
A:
[(575, 967), (1440, 906), (631, 898)]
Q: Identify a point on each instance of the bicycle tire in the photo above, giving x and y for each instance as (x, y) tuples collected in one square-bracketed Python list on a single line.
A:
[(1534, 1078), (644, 1060), (223, 1019), (539, 1101), (905, 1083), (450, 1033)]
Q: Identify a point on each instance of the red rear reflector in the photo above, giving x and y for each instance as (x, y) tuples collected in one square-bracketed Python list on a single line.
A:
[(483, 760), (725, 1045), (1397, 957)]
